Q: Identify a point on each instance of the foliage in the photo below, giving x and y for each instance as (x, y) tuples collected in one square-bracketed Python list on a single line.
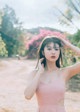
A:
[(3, 51), (0, 17), (70, 14), (34, 43), (11, 31), (76, 38)]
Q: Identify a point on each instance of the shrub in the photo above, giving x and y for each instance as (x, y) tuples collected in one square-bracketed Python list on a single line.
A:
[(33, 44)]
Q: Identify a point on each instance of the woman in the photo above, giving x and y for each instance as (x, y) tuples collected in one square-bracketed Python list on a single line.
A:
[(49, 79)]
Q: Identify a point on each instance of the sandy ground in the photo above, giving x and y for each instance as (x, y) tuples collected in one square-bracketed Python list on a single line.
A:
[(13, 80)]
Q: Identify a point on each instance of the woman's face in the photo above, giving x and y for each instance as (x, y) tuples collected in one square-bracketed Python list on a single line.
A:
[(51, 52)]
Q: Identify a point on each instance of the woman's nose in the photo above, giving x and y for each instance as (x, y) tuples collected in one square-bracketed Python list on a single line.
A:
[(53, 51)]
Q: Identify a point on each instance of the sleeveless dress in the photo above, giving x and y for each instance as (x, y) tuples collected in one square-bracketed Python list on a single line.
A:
[(50, 96)]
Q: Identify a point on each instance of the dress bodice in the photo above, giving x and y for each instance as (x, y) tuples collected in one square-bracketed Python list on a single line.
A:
[(50, 96)]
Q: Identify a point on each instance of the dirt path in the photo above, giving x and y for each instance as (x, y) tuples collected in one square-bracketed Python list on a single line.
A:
[(13, 76)]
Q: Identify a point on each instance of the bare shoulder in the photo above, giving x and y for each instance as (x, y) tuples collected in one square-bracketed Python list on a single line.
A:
[(70, 71), (64, 73)]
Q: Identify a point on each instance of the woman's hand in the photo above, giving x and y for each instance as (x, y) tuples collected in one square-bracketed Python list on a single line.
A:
[(41, 65), (65, 42)]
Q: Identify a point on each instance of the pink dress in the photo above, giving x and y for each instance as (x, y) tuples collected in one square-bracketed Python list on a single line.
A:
[(50, 96)]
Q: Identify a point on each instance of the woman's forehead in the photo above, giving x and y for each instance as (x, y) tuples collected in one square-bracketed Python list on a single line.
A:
[(51, 44)]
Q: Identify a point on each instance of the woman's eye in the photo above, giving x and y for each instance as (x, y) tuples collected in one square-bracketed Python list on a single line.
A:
[(56, 49), (53, 48), (49, 49)]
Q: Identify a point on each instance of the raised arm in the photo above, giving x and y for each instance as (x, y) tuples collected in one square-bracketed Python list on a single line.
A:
[(72, 70)]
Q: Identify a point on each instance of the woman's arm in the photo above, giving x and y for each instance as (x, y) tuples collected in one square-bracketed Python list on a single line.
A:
[(73, 69), (67, 44), (32, 86), (75, 49)]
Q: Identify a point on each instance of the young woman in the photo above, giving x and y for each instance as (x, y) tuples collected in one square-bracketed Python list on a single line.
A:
[(49, 78)]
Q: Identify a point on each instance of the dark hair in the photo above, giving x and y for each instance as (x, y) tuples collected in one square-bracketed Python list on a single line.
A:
[(46, 41)]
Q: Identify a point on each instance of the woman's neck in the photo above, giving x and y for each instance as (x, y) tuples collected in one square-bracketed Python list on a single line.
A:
[(50, 66)]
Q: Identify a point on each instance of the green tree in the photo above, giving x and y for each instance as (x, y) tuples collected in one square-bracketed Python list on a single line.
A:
[(1, 17), (11, 31), (3, 51)]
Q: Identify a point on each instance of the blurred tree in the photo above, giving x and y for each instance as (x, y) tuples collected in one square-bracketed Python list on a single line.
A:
[(3, 51), (69, 17), (11, 31), (70, 14), (76, 38), (1, 17)]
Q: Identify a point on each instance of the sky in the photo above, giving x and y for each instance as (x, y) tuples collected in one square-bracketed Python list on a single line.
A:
[(35, 13)]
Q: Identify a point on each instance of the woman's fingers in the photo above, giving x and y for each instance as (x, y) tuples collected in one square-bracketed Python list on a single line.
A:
[(43, 65), (41, 59)]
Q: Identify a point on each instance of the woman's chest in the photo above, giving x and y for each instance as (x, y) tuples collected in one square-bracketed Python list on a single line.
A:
[(54, 82), (52, 78), (56, 86)]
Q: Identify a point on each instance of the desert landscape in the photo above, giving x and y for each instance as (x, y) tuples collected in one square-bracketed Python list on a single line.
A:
[(13, 80)]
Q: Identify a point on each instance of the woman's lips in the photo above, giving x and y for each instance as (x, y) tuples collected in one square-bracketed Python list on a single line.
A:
[(53, 56)]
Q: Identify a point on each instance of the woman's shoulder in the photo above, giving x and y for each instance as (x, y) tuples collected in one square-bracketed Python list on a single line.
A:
[(64, 73), (63, 69)]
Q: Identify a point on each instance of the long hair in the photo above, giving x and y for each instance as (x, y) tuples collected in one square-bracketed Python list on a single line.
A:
[(46, 41)]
